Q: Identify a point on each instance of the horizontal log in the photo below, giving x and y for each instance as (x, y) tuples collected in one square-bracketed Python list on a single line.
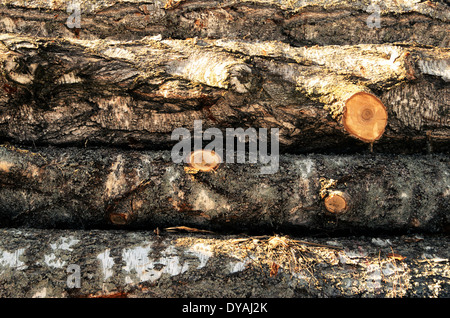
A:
[(108, 188), (94, 264), (70, 92), (297, 22)]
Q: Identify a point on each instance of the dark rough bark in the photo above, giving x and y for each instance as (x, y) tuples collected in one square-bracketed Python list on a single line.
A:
[(88, 188), (71, 92), (321, 22), (40, 263)]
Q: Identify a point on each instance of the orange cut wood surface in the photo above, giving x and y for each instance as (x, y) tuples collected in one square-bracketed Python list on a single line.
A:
[(204, 160), (336, 202), (365, 117)]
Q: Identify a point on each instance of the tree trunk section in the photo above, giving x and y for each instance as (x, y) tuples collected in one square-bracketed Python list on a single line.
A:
[(107, 188), (72, 92), (46, 263), (319, 22)]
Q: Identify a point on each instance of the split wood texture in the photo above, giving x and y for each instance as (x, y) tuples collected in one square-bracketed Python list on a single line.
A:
[(107, 188), (332, 98), (44, 263)]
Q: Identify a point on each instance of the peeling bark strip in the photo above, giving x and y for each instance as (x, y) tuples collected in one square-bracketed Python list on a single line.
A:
[(320, 22), (104, 188), (34, 263), (69, 92)]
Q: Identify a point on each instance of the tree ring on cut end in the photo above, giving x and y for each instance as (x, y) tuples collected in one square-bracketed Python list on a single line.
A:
[(204, 160), (337, 202), (119, 218), (367, 114), (365, 117)]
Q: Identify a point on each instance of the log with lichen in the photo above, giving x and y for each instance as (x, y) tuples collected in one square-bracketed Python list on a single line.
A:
[(109, 264), (107, 188), (333, 98), (321, 22)]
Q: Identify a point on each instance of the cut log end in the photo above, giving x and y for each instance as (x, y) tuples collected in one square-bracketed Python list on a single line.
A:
[(204, 160), (119, 218), (365, 117), (337, 202)]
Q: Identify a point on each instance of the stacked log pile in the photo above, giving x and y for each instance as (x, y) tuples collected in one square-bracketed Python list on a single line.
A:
[(92, 91)]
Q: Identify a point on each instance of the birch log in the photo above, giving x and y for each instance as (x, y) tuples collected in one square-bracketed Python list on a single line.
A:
[(69, 264), (321, 22), (107, 188), (73, 92)]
